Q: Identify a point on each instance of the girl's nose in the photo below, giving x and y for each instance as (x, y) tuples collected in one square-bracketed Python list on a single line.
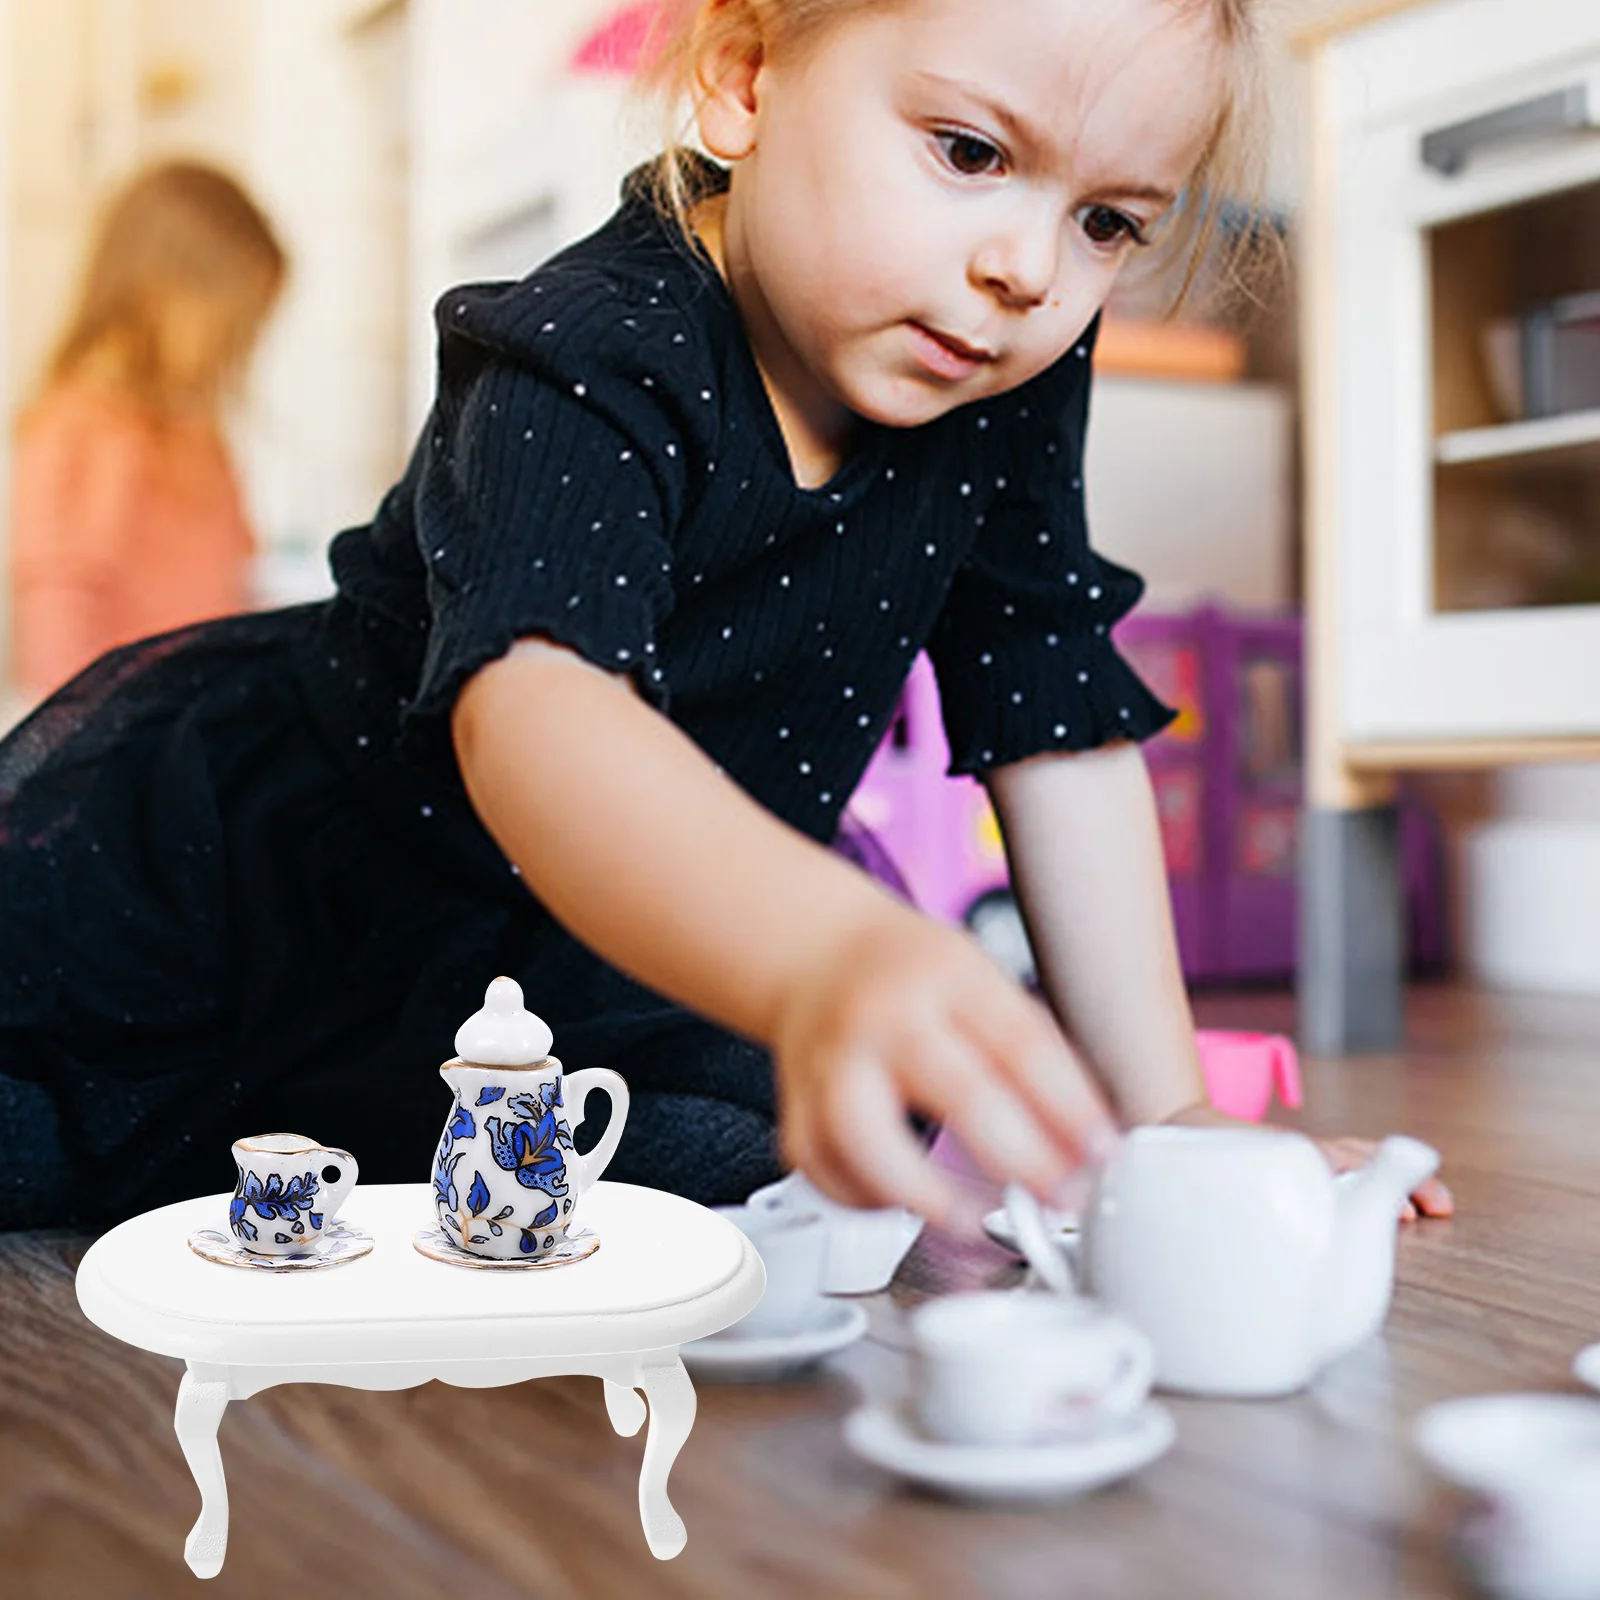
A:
[(1020, 265)]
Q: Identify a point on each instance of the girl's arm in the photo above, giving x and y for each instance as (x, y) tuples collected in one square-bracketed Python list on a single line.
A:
[(643, 849), (1084, 848)]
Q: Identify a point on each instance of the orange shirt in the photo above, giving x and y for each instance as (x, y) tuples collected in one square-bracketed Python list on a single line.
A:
[(120, 527)]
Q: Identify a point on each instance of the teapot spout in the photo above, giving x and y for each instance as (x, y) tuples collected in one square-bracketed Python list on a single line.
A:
[(1359, 1280)]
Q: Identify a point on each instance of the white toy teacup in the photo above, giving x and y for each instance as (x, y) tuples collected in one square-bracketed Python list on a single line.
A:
[(1004, 1368), (864, 1248), (792, 1246), (289, 1191), (506, 1178), (1534, 1462)]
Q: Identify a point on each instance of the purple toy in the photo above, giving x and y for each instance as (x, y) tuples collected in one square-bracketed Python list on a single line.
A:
[(1227, 778)]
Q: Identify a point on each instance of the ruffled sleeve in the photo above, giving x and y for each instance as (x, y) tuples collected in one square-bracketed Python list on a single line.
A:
[(552, 476), (1022, 647)]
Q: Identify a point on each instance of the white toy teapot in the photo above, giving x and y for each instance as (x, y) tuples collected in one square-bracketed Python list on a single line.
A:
[(1248, 1265)]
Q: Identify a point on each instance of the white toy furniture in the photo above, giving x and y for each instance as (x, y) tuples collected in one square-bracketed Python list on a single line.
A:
[(667, 1271)]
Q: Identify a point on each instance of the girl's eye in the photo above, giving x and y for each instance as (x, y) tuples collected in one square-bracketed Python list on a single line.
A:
[(971, 156), (1105, 225)]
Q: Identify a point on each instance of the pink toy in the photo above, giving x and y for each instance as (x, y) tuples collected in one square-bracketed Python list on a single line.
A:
[(1243, 1069)]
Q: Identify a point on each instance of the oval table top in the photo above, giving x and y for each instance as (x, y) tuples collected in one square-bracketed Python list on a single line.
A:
[(667, 1270)]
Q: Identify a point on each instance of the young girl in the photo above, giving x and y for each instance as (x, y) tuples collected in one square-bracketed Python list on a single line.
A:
[(126, 518), (603, 670)]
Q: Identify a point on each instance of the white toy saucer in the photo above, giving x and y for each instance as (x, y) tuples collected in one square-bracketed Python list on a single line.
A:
[(437, 1245), (339, 1243), (728, 1358), (1486, 1442), (1061, 1225), (1586, 1366), (885, 1436)]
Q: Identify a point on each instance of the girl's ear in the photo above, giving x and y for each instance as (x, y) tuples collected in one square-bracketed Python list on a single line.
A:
[(730, 59)]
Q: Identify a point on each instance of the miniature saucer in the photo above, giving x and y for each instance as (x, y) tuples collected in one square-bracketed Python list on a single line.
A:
[(1061, 1225), (1586, 1366), (1486, 1442), (340, 1243), (731, 1359), (886, 1436), (437, 1245)]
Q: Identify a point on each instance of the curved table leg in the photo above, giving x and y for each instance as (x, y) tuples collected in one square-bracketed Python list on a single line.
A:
[(672, 1405), (202, 1398), (624, 1407)]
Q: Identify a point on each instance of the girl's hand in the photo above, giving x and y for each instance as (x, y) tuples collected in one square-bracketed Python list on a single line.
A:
[(1432, 1198), (911, 1015)]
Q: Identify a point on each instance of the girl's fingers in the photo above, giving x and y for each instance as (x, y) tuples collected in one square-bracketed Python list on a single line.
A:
[(1029, 1051), (945, 1075), (1433, 1199), (805, 1146), (870, 1139)]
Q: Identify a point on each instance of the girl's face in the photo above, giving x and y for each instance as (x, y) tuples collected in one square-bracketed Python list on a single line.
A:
[(929, 205)]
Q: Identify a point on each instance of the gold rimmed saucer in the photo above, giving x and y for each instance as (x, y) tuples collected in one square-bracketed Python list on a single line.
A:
[(437, 1246), (339, 1243)]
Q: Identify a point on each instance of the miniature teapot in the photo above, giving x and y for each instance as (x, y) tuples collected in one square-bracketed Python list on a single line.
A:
[(506, 1178), (1236, 1250)]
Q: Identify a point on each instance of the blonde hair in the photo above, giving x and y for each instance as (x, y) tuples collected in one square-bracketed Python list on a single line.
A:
[(178, 229), (1230, 177)]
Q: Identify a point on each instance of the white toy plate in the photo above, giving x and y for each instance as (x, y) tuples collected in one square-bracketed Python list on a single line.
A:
[(886, 1436), (1586, 1366), (731, 1359), (339, 1243), (1485, 1442), (1062, 1225), (437, 1245)]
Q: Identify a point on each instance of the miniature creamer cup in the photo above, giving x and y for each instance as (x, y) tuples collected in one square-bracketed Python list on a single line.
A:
[(290, 1189), (1002, 1368), (506, 1179), (792, 1246)]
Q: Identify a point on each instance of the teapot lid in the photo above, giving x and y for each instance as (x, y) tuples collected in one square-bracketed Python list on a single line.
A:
[(502, 1033)]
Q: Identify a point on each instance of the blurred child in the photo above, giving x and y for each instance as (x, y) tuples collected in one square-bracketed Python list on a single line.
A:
[(126, 516), (603, 670)]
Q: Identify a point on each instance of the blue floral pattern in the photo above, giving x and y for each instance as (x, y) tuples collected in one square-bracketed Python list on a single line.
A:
[(274, 1201), (527, 1142), (532, 1149)]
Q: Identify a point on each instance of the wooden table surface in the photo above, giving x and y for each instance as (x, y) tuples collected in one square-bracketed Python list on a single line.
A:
[(527, 1492)]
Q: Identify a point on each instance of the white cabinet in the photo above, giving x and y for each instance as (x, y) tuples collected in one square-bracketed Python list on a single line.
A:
[(1453, 558), (1458, 148)]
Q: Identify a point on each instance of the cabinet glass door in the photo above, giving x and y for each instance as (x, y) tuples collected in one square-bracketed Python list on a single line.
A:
[(1469, 425)]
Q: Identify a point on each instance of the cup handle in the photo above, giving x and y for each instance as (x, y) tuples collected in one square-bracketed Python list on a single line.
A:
[(1139, 1370), (336, 1196), (578, 1088)]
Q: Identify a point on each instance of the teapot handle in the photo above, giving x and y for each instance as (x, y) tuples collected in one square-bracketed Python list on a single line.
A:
[(578, 1087)]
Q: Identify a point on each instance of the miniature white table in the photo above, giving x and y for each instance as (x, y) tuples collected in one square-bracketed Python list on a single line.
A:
[(667, 1271)]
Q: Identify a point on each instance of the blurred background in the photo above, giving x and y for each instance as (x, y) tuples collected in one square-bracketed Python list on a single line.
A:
[(398, 146)]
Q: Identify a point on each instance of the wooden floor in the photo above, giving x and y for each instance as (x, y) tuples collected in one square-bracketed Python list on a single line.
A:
[(527, 1492)]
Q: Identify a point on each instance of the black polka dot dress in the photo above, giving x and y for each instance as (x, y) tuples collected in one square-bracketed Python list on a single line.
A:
[(241, 887)]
